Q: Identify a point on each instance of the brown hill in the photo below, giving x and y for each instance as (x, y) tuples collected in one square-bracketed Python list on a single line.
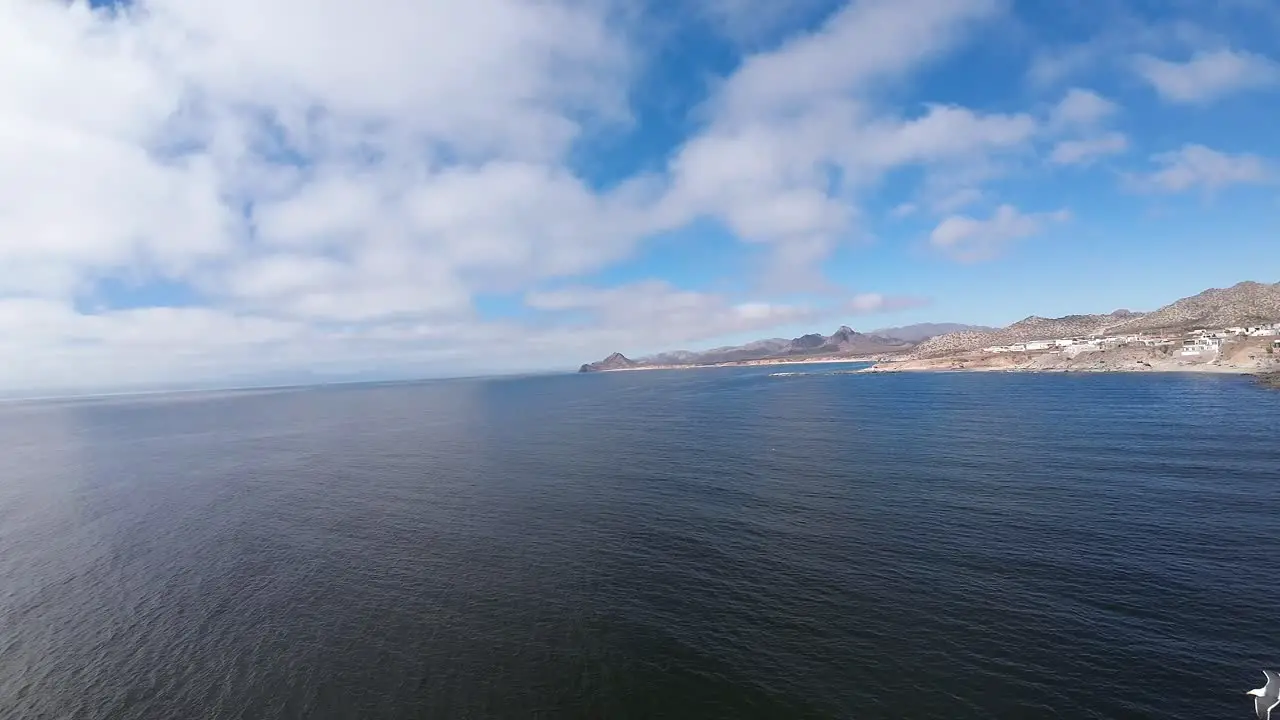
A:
[(616, 361), (1243, 304), (844, 342)]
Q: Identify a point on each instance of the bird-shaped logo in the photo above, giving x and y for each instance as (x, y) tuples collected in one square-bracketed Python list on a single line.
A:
[(1267, 698)]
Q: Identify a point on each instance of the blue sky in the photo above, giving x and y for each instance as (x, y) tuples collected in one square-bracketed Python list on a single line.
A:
[(395, 188)]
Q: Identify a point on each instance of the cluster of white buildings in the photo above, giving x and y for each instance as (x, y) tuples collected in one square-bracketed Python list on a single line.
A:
[(1210, 341), (1201, 341), (1080, 344)]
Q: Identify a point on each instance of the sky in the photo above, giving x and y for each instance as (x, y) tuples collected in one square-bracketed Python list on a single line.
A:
[(245, 191)]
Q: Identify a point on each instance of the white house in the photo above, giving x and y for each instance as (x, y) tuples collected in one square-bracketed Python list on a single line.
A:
[(1038, 345), (1196, 346)]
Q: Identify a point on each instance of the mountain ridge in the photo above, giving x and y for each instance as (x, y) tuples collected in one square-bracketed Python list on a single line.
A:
[(844, 343), (1243, 304)]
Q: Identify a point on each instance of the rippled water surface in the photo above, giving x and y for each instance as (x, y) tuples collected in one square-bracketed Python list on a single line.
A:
[(703, 544)]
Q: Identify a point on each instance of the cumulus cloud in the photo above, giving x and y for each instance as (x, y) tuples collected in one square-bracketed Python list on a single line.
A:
[(1080, 107), (958, 200), (1196, 166), (904, 210), (970, 239), (794, 134), (334, 184), (1207, 76), (751, 22), (1083, 152)]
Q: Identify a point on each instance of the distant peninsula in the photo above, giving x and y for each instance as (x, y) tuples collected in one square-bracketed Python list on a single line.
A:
[(1230, 330), (843, 345)]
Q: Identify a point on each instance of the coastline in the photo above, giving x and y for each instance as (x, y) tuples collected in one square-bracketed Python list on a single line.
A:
[(746, 363), (1235, 358), (1189, 368), (1125, 359)]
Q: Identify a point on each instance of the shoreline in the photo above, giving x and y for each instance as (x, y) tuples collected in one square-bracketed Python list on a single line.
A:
[(1189, 369), (1234, 358), (743, 363)]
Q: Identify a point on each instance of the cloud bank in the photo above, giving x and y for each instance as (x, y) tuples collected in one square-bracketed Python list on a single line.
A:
[(195, 191)]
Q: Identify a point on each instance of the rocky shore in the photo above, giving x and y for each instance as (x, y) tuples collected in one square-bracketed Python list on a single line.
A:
[(1239, 358)]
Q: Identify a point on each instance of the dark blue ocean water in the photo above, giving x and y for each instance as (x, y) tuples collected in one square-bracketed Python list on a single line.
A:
[(701, 544)]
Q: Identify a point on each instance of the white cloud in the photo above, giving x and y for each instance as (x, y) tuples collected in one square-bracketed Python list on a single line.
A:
[(903, 210), (970, 239), (794, 135), (132, 137), (1080, 107), (870, 303), (296, 164), (1083, 152), (867, 41), (336, 183), (1208, 75), (1193, 166), (326, 178), (943, 133), (1053, 66), (751, 22), (957, 200)]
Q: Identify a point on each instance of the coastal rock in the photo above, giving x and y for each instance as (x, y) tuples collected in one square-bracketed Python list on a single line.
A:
[(616, 361)]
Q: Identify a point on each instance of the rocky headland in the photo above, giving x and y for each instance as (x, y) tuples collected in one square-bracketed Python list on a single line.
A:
[(1226, 330)]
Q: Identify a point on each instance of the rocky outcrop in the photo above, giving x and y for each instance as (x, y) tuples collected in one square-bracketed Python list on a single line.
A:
[(616, 361)]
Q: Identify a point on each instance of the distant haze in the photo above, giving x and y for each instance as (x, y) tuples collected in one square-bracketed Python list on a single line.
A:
[(924, 331)]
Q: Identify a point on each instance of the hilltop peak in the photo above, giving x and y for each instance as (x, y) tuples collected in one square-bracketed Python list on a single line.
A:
[(1241, 305), (616, 361)]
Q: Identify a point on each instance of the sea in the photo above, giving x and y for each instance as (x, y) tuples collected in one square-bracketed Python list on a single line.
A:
[(715, 543)]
